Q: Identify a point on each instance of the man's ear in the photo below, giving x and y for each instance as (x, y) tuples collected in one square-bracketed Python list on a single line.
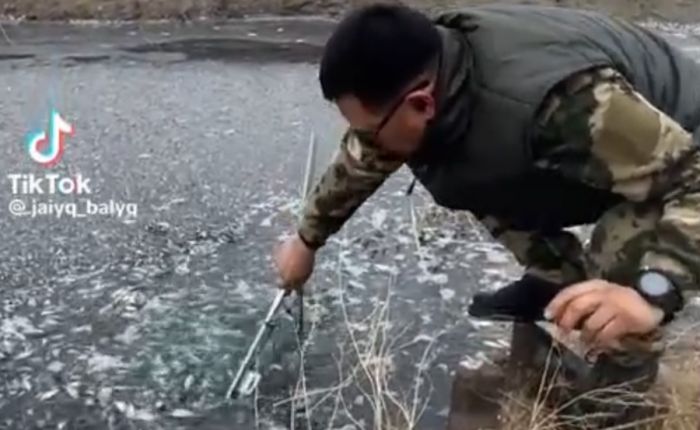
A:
[(423, 103)]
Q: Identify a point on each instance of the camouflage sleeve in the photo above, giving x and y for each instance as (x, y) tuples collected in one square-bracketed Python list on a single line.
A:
[(557, 257), (600, 131), (356, 172)]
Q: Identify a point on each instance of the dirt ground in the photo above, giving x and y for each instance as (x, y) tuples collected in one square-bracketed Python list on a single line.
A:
[(673, 10)]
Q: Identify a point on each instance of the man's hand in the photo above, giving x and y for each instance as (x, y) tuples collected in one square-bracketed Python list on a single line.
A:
[(604, 312), (295, 263)]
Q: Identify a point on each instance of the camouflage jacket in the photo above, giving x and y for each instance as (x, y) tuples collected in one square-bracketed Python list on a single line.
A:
[(645, 157)]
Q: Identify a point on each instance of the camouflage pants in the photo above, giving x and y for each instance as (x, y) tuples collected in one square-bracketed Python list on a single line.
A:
[(621, 238), (631, 148), (614, 253), (594, 127)]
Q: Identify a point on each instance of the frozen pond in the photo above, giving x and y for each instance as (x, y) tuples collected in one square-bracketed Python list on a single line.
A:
[(138, 322)]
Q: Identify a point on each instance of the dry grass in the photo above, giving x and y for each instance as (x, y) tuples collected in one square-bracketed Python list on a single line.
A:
[(675, 10), (143, 9), (366, 366), (367, 372), (675, 401)]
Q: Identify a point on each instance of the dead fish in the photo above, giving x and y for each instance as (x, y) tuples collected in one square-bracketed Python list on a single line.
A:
[(55, 366), (493, 344), (189, 381), (72, 389), (104, 395), (447, 294), (182, 413), (24, 355), (142, 415), (47, 395)]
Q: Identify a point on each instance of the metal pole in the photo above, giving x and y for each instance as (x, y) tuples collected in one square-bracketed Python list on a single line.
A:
[(247, 379), (238, 387), (305, 190)]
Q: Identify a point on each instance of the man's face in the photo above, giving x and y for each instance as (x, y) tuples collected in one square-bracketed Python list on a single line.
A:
[(397, 128)]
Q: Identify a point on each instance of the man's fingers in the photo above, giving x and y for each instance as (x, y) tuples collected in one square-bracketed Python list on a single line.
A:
[(611, 333), (578, 309), (595, 323), (556, 307)]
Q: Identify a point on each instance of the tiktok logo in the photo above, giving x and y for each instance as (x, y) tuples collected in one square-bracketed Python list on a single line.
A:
[(47, 150)]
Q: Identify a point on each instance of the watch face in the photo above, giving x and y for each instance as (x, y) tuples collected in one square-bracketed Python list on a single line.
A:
[(654, 284)]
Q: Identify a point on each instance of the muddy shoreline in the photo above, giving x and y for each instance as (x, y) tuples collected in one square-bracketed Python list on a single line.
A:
[(683, 11)]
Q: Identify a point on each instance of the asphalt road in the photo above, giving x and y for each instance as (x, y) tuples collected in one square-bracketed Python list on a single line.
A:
[(137, 320)]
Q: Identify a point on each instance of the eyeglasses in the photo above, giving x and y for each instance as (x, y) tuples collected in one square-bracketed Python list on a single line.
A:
[(369, 137)]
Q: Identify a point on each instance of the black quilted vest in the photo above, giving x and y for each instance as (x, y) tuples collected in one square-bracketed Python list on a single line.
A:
[(498, 64)]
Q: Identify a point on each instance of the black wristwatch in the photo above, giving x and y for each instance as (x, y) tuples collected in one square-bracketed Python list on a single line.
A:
[(659, 290)]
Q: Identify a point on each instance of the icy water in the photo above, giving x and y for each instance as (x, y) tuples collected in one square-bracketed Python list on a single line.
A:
[(138, 320)]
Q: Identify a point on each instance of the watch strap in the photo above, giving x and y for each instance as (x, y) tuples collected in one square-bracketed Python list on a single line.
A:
[(670, 303)]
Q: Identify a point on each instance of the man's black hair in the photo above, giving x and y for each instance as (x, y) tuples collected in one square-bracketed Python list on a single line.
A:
[(376, 51)]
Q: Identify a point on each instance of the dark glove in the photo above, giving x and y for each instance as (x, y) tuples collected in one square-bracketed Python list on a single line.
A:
[(521, 301)]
